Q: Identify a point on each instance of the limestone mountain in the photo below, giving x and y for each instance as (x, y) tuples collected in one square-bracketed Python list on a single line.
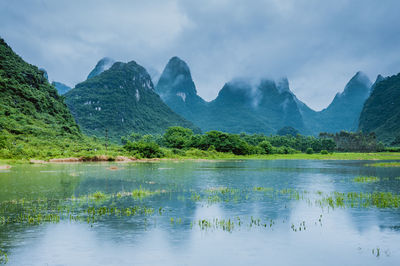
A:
[(176, 87), (101, 66), (344, 111), (266, 106), (381, 111), (121, 100), (61, 87), (241, 105), (245, 106), (29, 105)]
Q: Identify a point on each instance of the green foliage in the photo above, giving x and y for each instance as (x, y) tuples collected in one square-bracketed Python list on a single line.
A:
[(29, 105), (287, 131), (144, 149), (354, 141), (266, 147), (309, 151), (324, 152), (177, 137), (34, 120)]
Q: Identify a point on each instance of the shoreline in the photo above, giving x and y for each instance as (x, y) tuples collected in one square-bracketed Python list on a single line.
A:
[(383, 156)]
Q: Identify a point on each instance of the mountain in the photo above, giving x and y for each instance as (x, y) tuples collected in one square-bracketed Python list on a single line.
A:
[(176, 87), (121, 100), (61, 87), (381, 111), (343, 112), (30, 106), (101, 66), (254, 107)]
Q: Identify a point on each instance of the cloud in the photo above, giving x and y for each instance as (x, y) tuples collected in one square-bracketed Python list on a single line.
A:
[(318, 45)]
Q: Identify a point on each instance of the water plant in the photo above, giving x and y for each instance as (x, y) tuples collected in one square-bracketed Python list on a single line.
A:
[(142, 193), (389, 164), (3, 257), (366, 179)]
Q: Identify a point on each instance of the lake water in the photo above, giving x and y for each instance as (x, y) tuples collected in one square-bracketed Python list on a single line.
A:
[(250, 212)]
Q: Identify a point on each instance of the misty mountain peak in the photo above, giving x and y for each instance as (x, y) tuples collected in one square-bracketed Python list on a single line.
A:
[(176, 80), (282, 85), (101, 66), (359, 85)]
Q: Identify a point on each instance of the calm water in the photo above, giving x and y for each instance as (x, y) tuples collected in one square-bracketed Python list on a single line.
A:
[(285, 222)]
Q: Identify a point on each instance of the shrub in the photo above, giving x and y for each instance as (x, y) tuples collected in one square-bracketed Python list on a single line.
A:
[(144, 149), (266, 147), (309, 151), (324, 152)]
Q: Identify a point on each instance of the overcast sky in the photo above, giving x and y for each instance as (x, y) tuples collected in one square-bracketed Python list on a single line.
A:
[(318, 45)]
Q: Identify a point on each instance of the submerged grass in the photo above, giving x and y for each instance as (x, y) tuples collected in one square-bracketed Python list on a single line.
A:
[(3, 257), (366, 179), (391, 164)]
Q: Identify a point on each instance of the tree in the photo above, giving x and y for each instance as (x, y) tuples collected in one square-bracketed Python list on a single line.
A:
[(177, 137), (144, 149), (266, 147), (285, 131)]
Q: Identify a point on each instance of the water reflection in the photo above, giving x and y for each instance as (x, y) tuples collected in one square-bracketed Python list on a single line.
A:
[(328, 236)]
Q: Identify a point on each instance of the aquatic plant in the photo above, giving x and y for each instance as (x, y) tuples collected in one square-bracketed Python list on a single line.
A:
[(389, 164), (366, 179), (3, 257), (98, 195), (142, 193)]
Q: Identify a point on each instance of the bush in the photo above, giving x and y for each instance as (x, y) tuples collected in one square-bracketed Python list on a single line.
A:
[(309, 151), (324, 152), (266, 147), (177, 137), (144, 149)]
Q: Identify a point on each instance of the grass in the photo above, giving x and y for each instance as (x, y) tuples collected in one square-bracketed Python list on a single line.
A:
[(391, 164), (366, 179)]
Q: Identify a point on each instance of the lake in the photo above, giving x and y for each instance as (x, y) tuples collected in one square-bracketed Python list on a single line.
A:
[(245, 212)]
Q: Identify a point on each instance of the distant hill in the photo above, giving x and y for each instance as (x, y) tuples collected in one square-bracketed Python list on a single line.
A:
[(61, 87), (262, 107), (30, 106), (121, 100), (101, 66), (176, 87), (381, 111)]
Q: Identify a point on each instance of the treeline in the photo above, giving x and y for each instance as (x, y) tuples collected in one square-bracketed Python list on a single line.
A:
[(180, 139), (354, 141)]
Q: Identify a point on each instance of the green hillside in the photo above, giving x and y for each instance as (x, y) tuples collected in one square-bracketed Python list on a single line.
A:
[(381, 112), (31, 111)]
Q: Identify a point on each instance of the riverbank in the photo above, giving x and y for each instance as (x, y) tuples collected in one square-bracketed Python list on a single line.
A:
[(382, 156)]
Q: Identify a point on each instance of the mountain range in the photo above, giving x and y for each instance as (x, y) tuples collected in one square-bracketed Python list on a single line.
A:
[(120, 98), (259, 106)]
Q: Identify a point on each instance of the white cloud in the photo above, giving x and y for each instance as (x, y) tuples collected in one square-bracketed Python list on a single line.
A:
[(318, 45)]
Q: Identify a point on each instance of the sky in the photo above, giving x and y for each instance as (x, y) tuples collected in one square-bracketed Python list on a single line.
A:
[(318, 45)]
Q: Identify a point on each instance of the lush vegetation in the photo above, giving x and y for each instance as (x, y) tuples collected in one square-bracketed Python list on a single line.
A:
[(354, 141), (34, 121), (381, 112), (180, 140)]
